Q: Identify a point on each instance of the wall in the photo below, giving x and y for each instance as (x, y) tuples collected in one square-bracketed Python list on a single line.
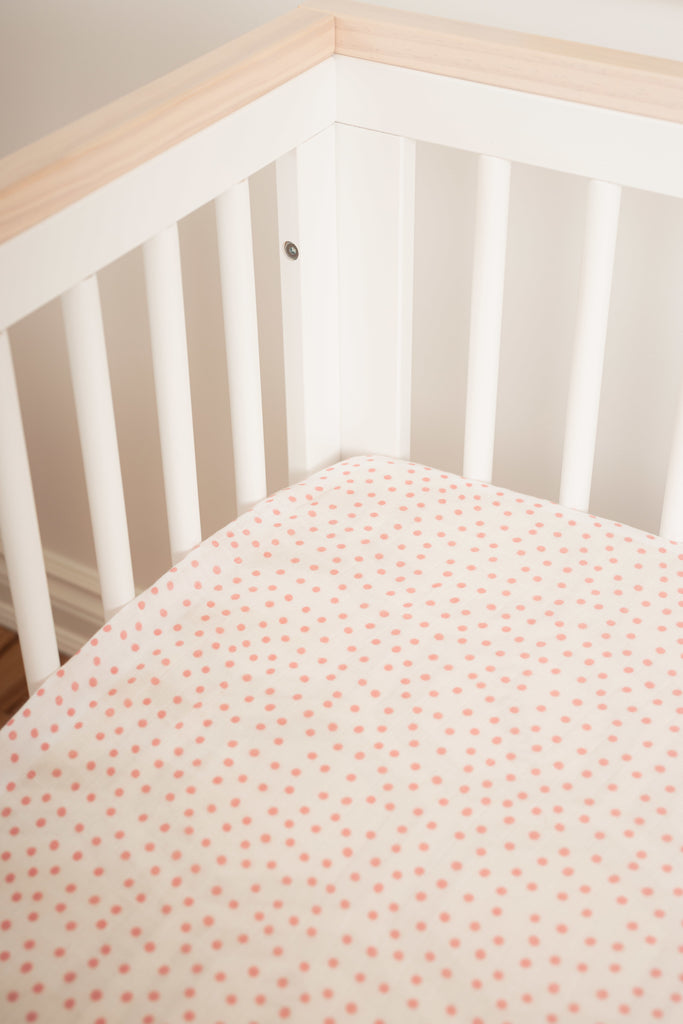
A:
[(58, 61)]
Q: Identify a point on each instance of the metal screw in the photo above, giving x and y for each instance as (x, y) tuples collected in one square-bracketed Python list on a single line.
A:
[(291, 250)]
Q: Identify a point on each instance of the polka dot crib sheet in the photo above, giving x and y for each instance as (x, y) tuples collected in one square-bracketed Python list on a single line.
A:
[(391, 747)]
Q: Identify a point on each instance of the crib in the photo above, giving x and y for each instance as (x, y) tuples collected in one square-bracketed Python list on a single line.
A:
[(395, 744)]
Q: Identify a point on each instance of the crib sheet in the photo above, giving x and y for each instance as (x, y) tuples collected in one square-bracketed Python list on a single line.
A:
[(391, 747)]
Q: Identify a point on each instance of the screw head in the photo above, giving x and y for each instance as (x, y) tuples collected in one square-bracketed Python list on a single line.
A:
[(291, 250)]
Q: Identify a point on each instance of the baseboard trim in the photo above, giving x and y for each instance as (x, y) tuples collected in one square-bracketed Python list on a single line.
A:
[(76, 603)]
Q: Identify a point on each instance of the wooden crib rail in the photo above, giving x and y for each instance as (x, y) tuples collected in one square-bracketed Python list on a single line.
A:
[(55, 171), (632, 83)]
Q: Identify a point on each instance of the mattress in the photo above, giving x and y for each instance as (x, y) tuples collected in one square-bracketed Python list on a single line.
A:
[(393, 746)]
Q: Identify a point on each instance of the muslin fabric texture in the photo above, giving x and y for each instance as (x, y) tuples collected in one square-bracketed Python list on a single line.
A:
[(393, 746)]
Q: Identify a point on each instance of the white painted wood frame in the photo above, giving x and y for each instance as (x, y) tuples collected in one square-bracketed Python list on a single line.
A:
[(306, 194), (376, 222), (556, 68), (486, 314), (21, 536), (172, 389), (561, 135), (238, 290), (343, 133), (583, 403), (99, 446)]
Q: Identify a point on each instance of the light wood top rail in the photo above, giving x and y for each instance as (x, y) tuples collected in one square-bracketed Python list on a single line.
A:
[(629, 82), (54, 172)]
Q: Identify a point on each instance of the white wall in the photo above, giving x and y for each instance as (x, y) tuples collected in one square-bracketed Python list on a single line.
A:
[(60, 60)]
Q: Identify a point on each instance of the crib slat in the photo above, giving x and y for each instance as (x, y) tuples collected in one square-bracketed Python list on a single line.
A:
[(97, 430), (238, 288), (581, 428), (307, 218), (486, 312), (172, 387), (376, 197), (671, 525), (21, 536)]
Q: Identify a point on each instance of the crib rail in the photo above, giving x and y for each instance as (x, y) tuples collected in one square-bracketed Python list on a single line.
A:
[(628, 82), (336, 95), (55, 172)]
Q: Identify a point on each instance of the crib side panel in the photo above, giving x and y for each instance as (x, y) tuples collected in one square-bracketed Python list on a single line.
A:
[(59, 252), (486, 313)]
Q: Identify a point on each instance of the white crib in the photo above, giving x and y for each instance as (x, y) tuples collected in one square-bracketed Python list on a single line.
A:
[(337, 95)]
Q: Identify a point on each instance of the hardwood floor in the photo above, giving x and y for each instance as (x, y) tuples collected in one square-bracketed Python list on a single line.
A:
[(13, 691)]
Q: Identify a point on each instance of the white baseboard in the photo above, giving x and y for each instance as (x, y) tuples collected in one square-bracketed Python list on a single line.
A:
[(76, 603)]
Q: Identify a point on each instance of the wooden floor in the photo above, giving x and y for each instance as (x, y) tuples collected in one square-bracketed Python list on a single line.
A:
[(13, 691)]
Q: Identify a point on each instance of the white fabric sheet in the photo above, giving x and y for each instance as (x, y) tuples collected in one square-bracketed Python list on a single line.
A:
[(391, 747)]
